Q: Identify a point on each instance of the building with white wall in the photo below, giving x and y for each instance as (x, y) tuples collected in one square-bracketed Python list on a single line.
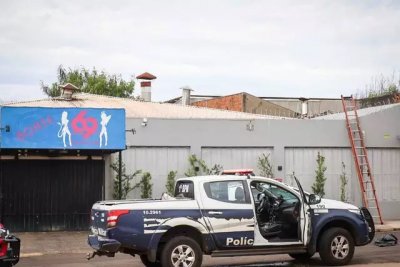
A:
[(235, 140)]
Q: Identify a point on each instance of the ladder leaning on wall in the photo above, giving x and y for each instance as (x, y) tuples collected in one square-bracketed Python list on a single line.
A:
[(360, 156)]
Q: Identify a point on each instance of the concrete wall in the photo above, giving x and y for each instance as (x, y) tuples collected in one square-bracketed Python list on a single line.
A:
[(315, 106), (256, 105), (293, 145)]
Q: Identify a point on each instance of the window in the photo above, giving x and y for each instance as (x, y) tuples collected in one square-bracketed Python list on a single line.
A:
[(227, 191), (273, 190), (184, 189)]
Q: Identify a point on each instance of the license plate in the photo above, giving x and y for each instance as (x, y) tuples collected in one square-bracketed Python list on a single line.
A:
[(99, 231)]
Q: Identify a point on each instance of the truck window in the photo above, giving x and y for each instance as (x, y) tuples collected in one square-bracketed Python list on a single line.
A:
[(226, 191), (184, 189)]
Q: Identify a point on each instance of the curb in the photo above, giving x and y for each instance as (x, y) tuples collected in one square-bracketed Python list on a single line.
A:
[(383, 228), (38, 254)]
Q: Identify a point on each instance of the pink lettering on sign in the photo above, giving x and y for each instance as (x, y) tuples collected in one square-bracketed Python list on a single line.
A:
[(35, 127), (85, 126)]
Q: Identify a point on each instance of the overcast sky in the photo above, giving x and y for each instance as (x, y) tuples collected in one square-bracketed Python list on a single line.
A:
[(266, 48)]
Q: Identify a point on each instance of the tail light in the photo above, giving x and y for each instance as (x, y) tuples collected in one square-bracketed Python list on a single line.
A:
[(113, 216)]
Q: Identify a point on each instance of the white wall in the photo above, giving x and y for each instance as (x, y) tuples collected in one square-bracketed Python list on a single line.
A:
[(159, 161), (235, 157)]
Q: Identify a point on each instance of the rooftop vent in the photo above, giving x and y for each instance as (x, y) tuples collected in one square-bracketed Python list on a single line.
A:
[(67, 90), (186, 95)]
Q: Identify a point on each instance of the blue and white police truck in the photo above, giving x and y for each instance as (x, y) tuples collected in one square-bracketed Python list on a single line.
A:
[(229, 215)]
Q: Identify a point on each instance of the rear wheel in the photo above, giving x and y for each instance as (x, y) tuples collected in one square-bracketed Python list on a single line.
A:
[(336, 247), (301, 256), (181, 251)]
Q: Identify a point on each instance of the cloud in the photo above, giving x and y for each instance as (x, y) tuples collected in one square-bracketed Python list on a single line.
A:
[(285, 48)]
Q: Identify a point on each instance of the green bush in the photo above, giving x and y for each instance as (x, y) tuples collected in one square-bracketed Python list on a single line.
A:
[(199, 167), (319, 185), (126, 180), (170, 185), (146, 187), (265, 166), (343, 183)]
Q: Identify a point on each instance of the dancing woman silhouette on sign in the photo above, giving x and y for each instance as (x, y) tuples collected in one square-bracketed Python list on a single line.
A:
[(104, 121), (64, 130)]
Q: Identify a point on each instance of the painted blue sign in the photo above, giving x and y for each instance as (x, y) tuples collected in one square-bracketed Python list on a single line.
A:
[(62, 128)]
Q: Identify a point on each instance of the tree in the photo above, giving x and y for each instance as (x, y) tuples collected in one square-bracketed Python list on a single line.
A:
[(216, 169), (265, 166), (126, 180), (146, 187), (90, 81), (343, 183), (199, 167), (319, 184), (170, 185)]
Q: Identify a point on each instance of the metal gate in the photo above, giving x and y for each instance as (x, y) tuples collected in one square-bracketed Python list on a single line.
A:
[(49, 195)]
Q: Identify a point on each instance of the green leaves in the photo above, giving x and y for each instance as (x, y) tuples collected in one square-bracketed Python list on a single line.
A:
[(319, 185), (199, 167), (126, 180), (265, 166), (343, 183), (145, 185), (170, 185), (91, 81)]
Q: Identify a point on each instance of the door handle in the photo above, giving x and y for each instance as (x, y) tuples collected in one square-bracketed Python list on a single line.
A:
[(215, 212)]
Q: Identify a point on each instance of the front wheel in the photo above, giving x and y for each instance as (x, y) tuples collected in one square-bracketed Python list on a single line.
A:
[(181, 251), (336, 247)]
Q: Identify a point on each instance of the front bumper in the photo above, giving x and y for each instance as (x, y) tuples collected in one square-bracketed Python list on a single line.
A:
[(103, 244), (370, 222), (13, 250)]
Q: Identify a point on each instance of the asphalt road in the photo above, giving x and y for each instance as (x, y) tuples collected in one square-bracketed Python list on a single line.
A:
[(369, 255)]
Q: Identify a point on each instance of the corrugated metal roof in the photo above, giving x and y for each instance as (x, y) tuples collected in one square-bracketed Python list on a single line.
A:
[(139, 109), (360, 112)]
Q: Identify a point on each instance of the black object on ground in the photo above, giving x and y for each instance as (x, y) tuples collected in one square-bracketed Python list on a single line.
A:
[(386, 241)]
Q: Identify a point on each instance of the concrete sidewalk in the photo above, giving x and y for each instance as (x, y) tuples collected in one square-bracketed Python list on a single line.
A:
[(388, 226), (43, 243)]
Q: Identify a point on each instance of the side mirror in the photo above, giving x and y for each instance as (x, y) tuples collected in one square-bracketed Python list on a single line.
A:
[(314, 199)]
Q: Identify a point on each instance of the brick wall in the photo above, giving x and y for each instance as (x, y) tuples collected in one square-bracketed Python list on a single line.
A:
[(232, 102)]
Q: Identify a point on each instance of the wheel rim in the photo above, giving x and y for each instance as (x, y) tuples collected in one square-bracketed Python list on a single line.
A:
[(183, 256), (340, 247)]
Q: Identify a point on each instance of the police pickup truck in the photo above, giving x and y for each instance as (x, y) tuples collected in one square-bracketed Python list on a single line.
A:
[(229, 215)]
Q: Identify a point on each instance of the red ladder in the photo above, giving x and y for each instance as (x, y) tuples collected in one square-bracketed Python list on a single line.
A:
[(360, 155)]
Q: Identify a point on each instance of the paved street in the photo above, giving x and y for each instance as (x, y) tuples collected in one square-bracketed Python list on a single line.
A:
[(369, 255)]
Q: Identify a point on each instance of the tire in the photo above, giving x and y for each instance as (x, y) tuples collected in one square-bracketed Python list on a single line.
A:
[(336, 247), (184, 247), (301, 256), (148, 263)]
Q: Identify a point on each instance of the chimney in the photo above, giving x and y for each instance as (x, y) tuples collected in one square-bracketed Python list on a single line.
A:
[(186, 95), (145, 85), (304, 106), (67, 90)]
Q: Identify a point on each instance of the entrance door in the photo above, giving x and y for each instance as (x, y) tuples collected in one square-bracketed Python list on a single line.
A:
[(227, 208), (49, 195)]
